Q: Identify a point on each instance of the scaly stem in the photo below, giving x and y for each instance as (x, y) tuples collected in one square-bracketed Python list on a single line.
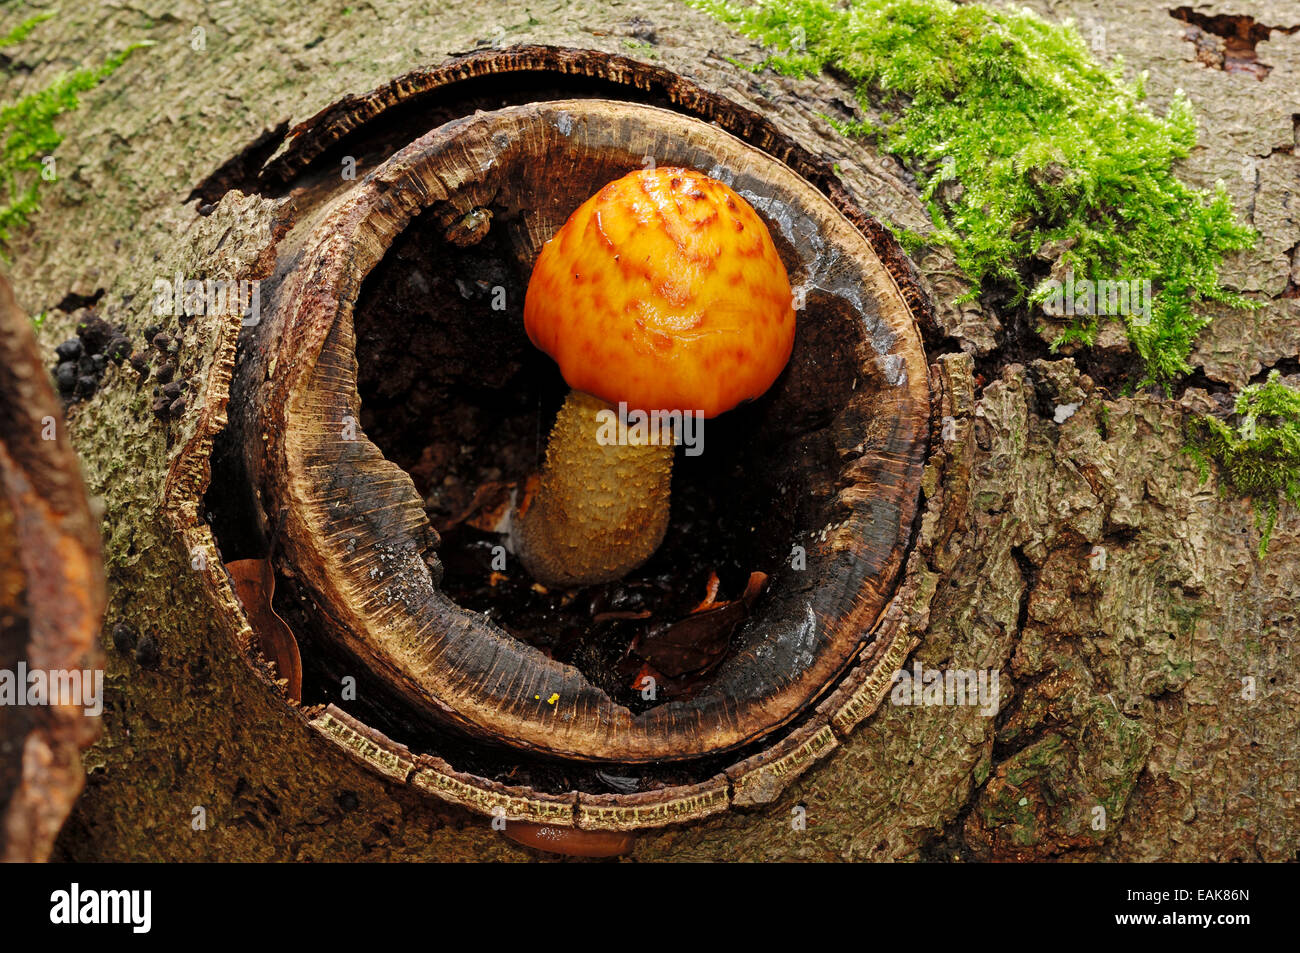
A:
[(601, 510)]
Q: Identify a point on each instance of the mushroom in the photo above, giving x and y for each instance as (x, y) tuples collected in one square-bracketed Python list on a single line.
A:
[(662, 296)]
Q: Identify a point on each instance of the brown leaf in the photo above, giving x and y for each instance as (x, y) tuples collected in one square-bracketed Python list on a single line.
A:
[(754, 588), (710, 594), (569, 840), (255, 583), (486, 510), (612, 616), (699, 641)]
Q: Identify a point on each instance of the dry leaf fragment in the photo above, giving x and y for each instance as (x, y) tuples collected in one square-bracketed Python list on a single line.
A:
[(700, 640), (255, 584)]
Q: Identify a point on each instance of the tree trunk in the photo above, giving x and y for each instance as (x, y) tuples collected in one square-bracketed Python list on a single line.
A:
[(1147, 706)]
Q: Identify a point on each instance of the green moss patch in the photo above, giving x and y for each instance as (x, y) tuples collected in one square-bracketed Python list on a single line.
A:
[(1022, 142), (1260, 455), (27, 133)]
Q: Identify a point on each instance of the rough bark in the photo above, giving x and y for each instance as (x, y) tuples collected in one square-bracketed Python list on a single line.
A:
[(1122, 679)]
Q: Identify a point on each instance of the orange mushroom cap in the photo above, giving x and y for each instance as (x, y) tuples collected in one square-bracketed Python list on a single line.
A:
[(663, 290)]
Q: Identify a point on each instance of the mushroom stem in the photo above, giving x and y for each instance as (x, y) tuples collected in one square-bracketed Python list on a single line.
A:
[(602, 506)]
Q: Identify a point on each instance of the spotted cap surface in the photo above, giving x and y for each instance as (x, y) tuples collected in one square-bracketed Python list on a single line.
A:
[(663, 290)]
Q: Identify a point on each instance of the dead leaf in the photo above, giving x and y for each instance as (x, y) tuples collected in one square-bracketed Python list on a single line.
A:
[(611, 616), (646, 676), (710, 594), (255, 584), (486, 510), (699, 641), (570, 840), (531, 486)]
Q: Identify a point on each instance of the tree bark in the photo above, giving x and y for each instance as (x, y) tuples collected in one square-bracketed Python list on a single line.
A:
[(1143, 648)]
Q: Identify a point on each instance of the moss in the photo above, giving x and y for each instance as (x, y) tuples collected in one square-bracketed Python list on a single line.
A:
[(1021, 142), (1186, 616), (20, 32), (27, 133), (1260, 455)]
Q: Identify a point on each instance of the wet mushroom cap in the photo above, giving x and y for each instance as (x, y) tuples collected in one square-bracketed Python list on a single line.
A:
[(663, 290)]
